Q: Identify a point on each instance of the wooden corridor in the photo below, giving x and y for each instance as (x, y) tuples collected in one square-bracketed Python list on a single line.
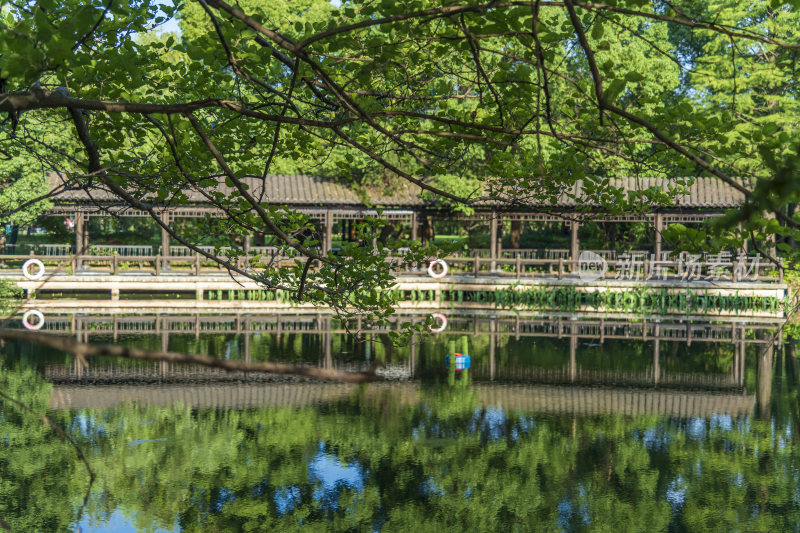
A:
[(576, 334), (581, 401)]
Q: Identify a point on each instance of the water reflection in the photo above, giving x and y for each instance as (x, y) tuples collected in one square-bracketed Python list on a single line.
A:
[(576, 449), (678, 352)]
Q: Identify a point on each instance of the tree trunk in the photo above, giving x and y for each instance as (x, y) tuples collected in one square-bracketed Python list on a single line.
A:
[(611, 235), (516, 233)]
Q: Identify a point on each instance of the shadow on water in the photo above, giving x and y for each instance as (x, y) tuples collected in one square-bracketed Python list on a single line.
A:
[(562, 425)]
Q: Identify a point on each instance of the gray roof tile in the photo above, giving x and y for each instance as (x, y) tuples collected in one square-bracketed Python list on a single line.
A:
[(305, 190)]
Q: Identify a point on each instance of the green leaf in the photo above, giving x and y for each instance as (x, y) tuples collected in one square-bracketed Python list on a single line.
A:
[(597, 31), (614, 89)]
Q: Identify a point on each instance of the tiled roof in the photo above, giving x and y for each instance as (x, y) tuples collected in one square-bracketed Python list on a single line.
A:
[(292, 189), (702, 193), (310, 191)]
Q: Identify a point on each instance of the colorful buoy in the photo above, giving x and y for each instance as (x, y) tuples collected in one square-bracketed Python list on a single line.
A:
[(26, 266), (441, 274), (26, 320), (443, 322)]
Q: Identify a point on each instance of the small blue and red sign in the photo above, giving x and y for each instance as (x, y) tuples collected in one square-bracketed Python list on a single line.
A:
[(462, 362)]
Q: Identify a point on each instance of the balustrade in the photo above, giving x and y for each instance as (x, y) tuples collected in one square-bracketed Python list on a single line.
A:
[(636, 265)]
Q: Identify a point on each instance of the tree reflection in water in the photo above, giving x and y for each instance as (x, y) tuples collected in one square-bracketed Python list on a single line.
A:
[(405, 458)]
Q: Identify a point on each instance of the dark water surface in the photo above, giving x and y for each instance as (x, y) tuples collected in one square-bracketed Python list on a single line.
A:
[(564, 425)]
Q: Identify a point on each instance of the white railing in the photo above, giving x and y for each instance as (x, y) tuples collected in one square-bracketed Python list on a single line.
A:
[(122, 250)]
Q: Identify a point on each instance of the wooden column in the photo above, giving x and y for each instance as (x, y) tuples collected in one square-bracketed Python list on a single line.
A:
[(573, 348), (656, 354), (163, 365), (247, 344), (327, 241), (165, 240), (493, 240), (742, 356), (492, 340), (743, 249), (516, 233), (414, 228), (412, 358), (424, 227), (499, 245), (659, 228), (328, 338), (246, 244), (86, 225), (574, 246), (766, 353), (78, 237)]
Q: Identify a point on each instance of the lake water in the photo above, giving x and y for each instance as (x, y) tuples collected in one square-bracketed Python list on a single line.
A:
[(563, 425)]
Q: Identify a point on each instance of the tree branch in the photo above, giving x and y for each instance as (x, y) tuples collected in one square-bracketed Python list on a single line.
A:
[(70, 345)]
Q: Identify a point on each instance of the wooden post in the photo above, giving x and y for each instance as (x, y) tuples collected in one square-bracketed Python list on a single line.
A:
[(493, 241), (659, 228), (328, 343), (327, 241), (164, 366), (492, 339), (656, 354), (414, 229), (516, 233), (772, 251), (197, 263), (247, 344), (86, 226), (735, 365), (764, 390), (78, 239), (412, 360), (744, 242), (165, 240), (246, 244), (499, 245), (115, 263), (574, 246), (573, 348)]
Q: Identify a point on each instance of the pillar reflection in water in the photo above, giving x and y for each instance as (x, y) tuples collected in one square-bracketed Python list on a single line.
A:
[(570, 349)]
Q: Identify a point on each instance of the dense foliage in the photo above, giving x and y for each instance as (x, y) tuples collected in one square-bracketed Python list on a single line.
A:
[(445, 461), (463, 101)]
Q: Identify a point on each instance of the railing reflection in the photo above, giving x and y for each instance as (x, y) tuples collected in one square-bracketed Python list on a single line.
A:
[(576, 337)]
